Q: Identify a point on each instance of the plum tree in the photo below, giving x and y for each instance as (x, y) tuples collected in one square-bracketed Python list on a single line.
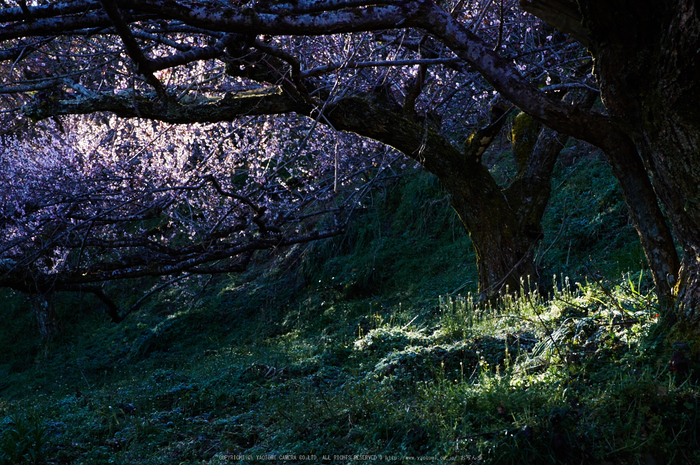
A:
[(412, 74)]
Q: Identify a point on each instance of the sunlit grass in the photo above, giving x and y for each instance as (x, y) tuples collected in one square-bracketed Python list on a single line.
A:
[(401, 365), (563, 378)]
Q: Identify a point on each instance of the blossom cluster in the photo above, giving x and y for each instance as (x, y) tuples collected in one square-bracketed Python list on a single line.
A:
[(100, 198)]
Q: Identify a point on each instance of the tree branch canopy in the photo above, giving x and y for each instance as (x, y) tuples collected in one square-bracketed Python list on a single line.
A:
[(346, 65), (316, 18)]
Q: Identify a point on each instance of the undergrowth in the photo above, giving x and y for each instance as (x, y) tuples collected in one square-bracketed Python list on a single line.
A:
[(568, 379), (365, 349)]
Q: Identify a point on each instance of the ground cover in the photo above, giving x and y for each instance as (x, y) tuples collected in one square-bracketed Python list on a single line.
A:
[(370, 349)]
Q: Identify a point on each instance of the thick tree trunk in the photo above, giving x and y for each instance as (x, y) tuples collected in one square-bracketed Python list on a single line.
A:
[(567, 119), (504, 250), (648, 67), (504, 225), (640, 197)]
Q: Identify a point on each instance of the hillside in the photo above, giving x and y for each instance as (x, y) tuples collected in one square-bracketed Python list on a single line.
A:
[(369, 348)]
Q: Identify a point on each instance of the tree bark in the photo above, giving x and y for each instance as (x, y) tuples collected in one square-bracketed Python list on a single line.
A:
[(649, 221), (503, 251), (648, 67), (504, 225), (597, 129)]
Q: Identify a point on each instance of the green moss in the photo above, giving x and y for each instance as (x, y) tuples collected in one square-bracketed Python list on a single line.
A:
[(523, 134), (682, 333)]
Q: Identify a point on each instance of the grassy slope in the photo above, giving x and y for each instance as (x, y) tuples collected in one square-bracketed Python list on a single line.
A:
[(361, 345)]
